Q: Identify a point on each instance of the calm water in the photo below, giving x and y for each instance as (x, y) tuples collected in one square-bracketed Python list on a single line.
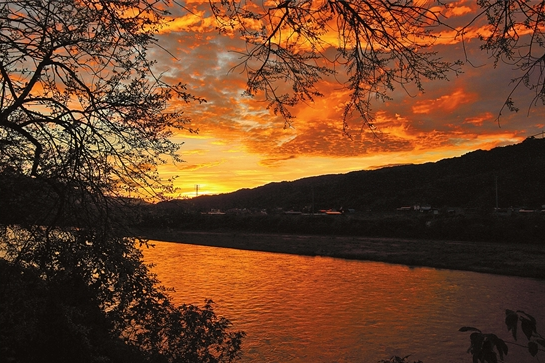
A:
[(316, 309)]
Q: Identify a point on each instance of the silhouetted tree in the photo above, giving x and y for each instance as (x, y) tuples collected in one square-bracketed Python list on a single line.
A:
[(373, 46), (83, 120)]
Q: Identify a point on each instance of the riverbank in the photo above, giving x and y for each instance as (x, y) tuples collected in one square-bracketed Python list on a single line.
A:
[(525, 260)]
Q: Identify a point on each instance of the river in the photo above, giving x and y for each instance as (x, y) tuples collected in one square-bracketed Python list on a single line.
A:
[(323, 310)]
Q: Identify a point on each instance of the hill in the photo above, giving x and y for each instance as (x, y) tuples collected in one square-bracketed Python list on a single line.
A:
[(459, 195), (515, 174)]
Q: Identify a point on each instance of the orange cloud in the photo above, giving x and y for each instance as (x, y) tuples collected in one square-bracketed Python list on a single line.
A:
[(446, 103), (241, 144), (199, 166), (192, 22), (478, 120), (271, 162)]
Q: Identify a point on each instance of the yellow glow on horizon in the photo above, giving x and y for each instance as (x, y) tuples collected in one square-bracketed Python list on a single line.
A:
[(225, 176)]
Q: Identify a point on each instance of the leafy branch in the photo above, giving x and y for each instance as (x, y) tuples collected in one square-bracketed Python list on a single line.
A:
[(485, 348)]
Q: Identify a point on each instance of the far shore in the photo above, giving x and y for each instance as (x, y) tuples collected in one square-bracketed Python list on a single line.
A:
[(524, 260)]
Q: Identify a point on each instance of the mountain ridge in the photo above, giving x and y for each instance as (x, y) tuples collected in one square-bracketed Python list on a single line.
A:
[(516, 172)]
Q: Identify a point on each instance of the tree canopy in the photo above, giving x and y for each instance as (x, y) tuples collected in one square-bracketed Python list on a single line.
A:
[(80, 101), (84, 120), (372, 47)]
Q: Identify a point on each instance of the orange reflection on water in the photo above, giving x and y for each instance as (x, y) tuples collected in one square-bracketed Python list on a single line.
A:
[(316, 309)]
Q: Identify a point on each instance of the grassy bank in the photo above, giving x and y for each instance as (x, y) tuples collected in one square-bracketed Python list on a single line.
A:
[(512, 259)]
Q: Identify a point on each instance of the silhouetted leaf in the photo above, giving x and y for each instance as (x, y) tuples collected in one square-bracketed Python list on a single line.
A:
[(530, 317), (541, 342), (511, 320), (532, 348), (527, 327), (468, 328), (488, 345), (502, 347), (490, 357), (477, 339)]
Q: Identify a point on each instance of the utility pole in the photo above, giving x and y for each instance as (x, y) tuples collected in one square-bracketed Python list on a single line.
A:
[(196, 190)]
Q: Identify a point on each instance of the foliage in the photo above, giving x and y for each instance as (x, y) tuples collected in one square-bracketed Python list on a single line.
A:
[(483, 345), (83, 121), (516, 36), (80, 102), (529, 328), (485, 348), (66, 319), (380, 45), (396, 359), (372, 47)]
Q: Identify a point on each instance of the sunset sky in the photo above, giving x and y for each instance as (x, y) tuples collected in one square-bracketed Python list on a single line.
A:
[(241, 144)]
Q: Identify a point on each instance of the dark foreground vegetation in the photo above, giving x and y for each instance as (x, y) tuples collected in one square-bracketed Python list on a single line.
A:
[(489, 348), (83, 119)]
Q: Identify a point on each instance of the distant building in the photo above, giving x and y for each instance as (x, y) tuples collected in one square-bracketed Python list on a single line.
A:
[(215, 212)]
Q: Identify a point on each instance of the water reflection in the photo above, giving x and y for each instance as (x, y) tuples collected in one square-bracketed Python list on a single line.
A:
[(315, 309)]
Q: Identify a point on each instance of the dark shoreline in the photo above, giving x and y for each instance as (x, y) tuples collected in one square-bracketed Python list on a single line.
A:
[(523, 260)]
